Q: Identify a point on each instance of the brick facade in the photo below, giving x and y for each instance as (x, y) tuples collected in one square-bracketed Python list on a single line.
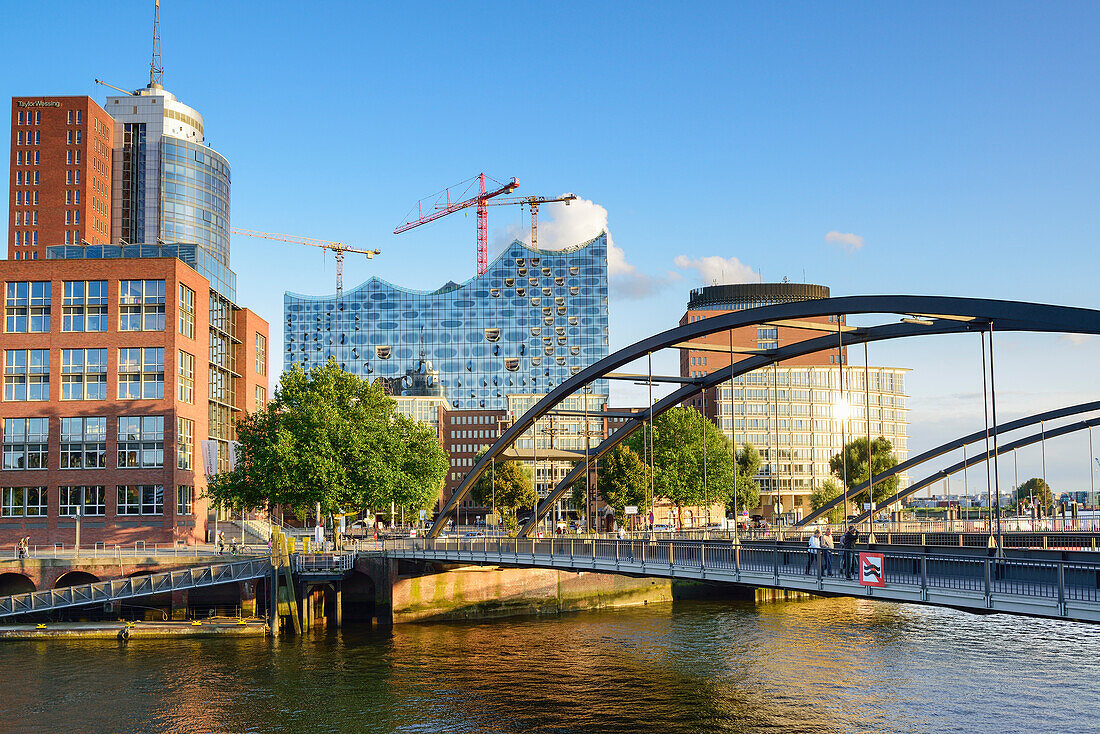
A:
[(60, 174)]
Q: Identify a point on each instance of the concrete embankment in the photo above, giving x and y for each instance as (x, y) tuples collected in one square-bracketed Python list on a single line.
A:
[(135, 631), (441, 592)]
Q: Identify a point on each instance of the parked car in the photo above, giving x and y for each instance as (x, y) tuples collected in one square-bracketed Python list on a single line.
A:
[(662, 528)]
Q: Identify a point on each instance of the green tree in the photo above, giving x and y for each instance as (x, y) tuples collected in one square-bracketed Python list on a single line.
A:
[(829, 490), (882, 459), (748, 492), (507, 485), (622, 480), (330, 437), (1035, 489), (678, 439)]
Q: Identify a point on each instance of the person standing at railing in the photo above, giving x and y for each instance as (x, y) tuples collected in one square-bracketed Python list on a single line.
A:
[(848, 543), (827, 551), (814, 547)]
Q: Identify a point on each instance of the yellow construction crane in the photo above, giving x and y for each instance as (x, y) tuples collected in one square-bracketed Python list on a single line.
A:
[(338, 249)]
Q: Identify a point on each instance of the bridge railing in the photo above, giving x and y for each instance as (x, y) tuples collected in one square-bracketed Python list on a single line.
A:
[(1032, 578)]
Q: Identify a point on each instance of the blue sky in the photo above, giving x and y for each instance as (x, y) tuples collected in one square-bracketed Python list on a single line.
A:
[(956, 143)]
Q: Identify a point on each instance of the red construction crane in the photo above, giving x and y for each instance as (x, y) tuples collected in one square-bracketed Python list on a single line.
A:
[(442, 206), (533, 203), (338, 249)]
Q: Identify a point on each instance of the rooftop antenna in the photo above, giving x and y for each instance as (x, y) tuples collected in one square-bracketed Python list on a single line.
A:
[(156, 66)]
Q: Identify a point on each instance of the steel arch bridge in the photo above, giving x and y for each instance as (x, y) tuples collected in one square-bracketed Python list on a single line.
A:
[(926, 316)]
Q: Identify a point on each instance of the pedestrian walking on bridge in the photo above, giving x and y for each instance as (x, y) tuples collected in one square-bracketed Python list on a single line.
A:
[(827, 551), (814, 547), (848, 544)]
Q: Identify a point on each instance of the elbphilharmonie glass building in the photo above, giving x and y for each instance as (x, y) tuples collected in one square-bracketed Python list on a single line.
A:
[(535, 318)]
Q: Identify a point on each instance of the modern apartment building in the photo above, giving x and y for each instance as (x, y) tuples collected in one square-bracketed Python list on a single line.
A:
[(125, 356), (797, 413)]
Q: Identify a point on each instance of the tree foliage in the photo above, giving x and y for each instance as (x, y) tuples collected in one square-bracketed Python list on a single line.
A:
[(678, 438), (1035, 489), (622, 480), (829, 490), (854, 454), (507, 485), (329, 436)]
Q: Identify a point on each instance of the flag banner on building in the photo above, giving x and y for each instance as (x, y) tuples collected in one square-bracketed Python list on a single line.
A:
[(210, 457)]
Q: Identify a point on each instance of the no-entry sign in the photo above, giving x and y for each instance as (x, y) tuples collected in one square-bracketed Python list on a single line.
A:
[(872, 569)]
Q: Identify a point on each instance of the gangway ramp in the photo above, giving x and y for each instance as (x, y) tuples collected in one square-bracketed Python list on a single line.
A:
[(100, 592)]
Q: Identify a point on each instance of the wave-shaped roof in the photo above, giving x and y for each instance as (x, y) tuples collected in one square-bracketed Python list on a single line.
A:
[(374, 283)]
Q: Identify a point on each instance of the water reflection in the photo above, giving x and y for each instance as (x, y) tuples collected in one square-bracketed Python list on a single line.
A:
[(830, 665)]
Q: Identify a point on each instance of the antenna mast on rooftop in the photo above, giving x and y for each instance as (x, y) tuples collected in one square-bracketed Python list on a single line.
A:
[(156, 66)]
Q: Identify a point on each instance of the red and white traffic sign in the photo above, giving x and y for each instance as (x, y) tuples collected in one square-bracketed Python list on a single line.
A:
[(872, 569)]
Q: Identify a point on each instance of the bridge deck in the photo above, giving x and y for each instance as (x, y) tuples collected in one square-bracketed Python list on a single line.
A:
[(1045, 588)]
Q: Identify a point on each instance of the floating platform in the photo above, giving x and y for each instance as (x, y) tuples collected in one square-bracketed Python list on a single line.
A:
[(134, 630)]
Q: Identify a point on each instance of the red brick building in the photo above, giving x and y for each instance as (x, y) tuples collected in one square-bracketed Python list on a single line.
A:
[(122, 360), (60, 182), (108, 396)]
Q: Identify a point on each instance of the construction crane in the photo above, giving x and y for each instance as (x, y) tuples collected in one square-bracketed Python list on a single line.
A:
[(533, 203), (338, 249), (442, 206)]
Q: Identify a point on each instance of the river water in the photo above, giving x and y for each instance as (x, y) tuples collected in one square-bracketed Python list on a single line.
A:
[(825, 665)]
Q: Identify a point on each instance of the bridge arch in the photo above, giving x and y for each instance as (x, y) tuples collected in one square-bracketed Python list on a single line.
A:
[(15, 583), (953, 445), (940, 315)]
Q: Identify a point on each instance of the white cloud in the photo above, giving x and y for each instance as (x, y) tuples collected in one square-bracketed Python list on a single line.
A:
[(847, 241), (562, 226), (718, 270)]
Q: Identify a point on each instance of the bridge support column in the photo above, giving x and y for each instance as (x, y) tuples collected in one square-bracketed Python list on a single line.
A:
[(338, 605), (179, 604)]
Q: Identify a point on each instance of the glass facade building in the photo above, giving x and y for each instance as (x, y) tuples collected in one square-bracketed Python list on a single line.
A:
[(534, 319), (194, 189)]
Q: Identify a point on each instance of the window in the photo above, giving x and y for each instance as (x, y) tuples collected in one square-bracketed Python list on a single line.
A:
[(83, 374), (79, 114), (185, 443), (261, 397), (84, 443), (84, 305), (261, 354), (185, 370), (140, 441), (23, 502), (70, 118), (27, 374), (70, 498), (184, 500), (141, 499), (141, 305), (187, 312), (141, 373), (28, 307), (26, 442)]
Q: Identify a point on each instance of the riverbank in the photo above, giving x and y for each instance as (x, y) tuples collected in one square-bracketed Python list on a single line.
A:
[(134, 630)]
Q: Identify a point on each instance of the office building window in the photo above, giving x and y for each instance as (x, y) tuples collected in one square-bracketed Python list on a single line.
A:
[(140, 441), (26, 374), (26, 443), (185, 373), (83, 374), (141, 373), (23, 502), (141, 305), (27, 308), (261, 354), (187, 312), (70, 498), (141, 499), (261, 397), (185, 443), (184, 500), (84, 306), (84, 443)]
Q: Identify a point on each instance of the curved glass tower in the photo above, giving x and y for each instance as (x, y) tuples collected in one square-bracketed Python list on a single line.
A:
[(535, 318)]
